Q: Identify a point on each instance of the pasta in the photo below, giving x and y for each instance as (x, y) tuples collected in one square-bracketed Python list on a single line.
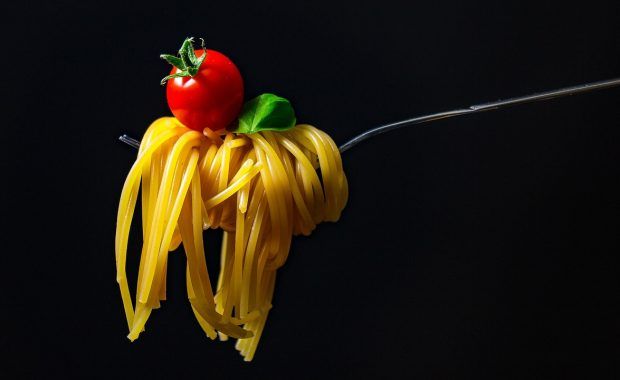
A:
[(260, 189)]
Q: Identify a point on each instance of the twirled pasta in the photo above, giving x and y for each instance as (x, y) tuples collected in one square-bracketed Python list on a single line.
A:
[(260, 188)]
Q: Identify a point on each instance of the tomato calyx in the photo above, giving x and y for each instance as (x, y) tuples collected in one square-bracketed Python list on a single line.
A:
[(187, 62)]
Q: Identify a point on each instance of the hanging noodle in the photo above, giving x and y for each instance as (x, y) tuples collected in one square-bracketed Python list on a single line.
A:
[(261, 189)]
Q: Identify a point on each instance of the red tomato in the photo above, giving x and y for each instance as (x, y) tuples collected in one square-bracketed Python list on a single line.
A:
[(210, 99)]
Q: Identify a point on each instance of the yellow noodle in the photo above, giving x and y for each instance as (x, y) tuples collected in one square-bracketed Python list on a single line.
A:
[(159, 214), (261, 189), (212, 135), (233, 188)]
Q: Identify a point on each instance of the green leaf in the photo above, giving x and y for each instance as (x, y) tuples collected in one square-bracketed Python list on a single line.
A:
[(174, 61), (266, 112), (180, 74), (200, 59), (186, 52)]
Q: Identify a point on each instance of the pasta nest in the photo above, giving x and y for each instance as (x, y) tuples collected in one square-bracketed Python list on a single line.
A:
[(260, 189)]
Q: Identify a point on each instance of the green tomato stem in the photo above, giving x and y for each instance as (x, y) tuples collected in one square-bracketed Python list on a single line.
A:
[(187, 62)]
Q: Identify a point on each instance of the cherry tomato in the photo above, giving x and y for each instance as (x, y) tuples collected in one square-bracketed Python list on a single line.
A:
[(212, 98)]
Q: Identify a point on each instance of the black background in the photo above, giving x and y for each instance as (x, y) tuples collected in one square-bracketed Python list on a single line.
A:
[(483, 246)]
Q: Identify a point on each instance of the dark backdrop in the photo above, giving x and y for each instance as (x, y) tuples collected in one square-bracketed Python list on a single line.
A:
[(482, 246)]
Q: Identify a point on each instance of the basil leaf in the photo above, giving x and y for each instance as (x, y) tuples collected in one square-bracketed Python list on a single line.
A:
[(266, 112)]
